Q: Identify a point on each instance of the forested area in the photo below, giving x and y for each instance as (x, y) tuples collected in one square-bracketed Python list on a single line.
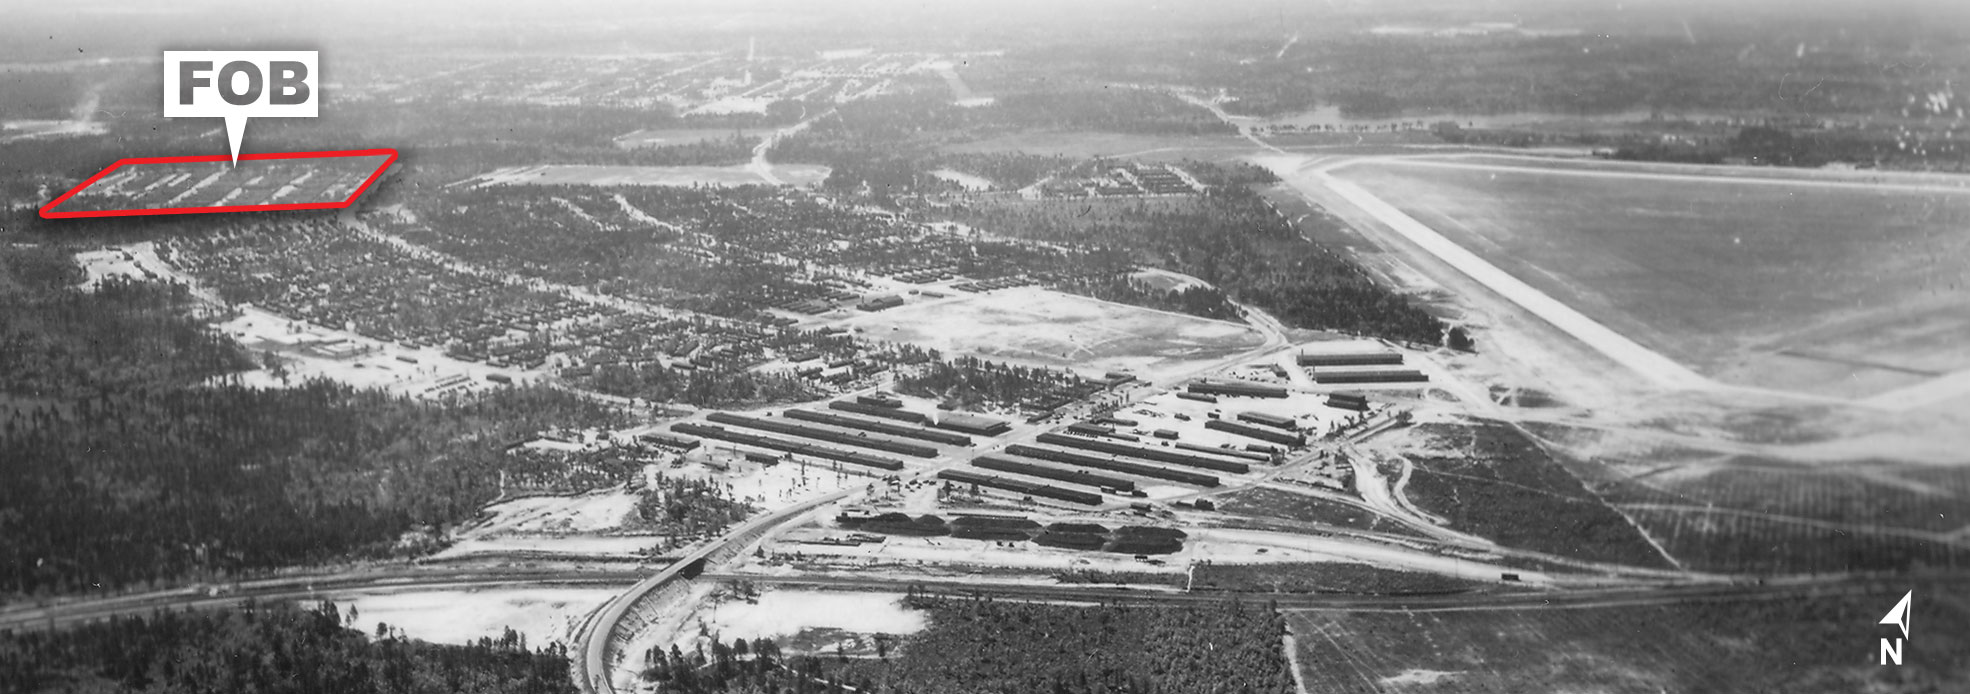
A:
[(987, 646), (269, 649), (118, 470), (1231, 238), (690, 507), (57, 343), (970, 383), (163, 483)]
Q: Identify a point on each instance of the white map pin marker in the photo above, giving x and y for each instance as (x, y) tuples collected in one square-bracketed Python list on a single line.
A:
[(238, 85)]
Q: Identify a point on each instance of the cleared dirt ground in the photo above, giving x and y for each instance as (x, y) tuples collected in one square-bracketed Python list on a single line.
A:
[(1050, 328)]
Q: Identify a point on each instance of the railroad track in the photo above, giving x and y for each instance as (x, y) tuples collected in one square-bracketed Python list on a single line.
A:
[(294, 589), (1483, 599)]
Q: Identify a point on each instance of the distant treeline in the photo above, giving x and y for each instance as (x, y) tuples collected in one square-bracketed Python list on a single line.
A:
[(1771, 146), (1798, 63)]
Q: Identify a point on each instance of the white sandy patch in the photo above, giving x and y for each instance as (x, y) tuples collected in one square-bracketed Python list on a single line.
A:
[(587, 513), (1416, 676), (786, 612), (964, 180), (1243, 547), (627, 546), (1045, 327), (105, 263), (543, 615)]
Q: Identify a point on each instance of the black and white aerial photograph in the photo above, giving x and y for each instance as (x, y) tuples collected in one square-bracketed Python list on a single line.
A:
[(984, 347)]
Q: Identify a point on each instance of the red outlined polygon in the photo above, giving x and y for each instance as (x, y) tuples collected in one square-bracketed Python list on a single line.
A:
[(48, 211)]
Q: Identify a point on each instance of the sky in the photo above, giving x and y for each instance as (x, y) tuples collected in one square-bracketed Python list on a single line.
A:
[(92, 29)]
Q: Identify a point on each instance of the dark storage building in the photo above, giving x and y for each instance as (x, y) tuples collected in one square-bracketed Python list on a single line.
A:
[(1348, 401), (682, 443), (1259, 433), (1250, 390), (1271, 420), (1370, 376), (973, 424), (1351, 359)]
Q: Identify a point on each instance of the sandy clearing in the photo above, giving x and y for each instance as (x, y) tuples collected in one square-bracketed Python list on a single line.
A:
[(1242, 547), (101, 264), (625, 546), (964, 180), (782, 613), (543, 615), (1055, 329), (586, 513), (370, 363)]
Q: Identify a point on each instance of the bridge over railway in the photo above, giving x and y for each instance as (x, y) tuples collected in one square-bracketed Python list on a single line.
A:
[(603, 635)]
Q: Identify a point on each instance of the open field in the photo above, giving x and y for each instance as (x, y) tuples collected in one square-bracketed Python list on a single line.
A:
[(1823, 644), (1273, 503), (1725, 540), (1046, 327), (1487, 479), (305, 351), (1826, 287), (601, 175), (1847, 504), (1912, 497)]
